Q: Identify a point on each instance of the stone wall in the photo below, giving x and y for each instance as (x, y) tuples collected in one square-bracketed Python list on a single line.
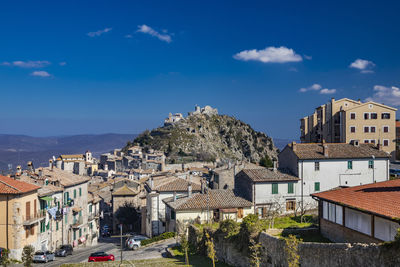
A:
[(311, 254)]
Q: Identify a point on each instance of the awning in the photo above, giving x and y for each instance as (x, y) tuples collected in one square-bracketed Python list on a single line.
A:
[(76, 209), (47, 198)]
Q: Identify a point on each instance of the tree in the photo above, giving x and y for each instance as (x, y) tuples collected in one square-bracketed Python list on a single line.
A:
[(266, 161), (255, 253), (27, 255), (291, 249), (5, 259), (275, 210), (127, 214), (301, 209), (210, 248), (185, 246)]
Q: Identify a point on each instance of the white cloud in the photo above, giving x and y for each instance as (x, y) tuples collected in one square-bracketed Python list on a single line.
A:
[(307, 57), (327, 91), (99, 32), (387, 95), (317, 87), (314, 87), (269, 55), (148, 30), (40, 73), (365, 66), (62, 63), (27, 64)]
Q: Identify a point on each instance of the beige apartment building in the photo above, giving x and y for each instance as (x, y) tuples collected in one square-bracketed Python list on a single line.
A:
[(346, 120)]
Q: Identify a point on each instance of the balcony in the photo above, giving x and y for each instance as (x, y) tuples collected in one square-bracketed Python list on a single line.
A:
[(93, 215), (77, 222), (33, 218)]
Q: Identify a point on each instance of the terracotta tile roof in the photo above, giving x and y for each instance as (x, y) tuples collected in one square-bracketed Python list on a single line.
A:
[(381, 198), (72, 156), (175, 184), (215, 199), (49, 189), (65, 178), (337, 151), (397, 124), (10, 186), (125, 191), (265, 175)]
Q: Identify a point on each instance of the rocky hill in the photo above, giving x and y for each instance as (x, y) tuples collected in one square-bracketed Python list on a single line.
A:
[(208, 137)]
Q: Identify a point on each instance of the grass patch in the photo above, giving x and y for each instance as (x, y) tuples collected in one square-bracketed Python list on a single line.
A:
[(292, 222), (195, 260), (307, 236), (214, 226)]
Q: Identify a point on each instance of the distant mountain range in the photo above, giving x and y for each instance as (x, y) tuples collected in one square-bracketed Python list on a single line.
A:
[(19, 149)]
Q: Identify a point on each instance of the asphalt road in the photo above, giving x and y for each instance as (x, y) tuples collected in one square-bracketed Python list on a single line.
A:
[(79, 255)]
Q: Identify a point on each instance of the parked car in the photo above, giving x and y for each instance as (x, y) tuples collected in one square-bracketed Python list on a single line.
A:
[(43, 256), (105, 233), (101, 256), (134, 241), (64, 250)]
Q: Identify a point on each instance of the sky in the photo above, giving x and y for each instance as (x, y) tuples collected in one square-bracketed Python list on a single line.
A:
[(80, 67)]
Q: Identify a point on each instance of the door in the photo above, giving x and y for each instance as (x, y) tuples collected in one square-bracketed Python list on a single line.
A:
[(28, 210)]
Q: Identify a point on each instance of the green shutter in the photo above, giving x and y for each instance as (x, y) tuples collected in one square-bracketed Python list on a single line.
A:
[(274, 188), (80, 192), (316, 186), (80, 232), (56, 226), (290, 188), (90, 208), (74, 235), (66, 218), (74, 193), (350, 165)]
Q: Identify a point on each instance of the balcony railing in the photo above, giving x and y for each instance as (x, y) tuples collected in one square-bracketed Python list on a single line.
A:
[(77, 222), (33, 218)]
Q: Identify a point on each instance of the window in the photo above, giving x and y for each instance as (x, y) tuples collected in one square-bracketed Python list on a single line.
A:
[(290, 189), (316, 166), (372, 129), (385, 142), (385, 116), (366, 116), (370, 164), (372, 141), (56, 226), (274, 188), (80, 232), (80, 213), (74, 235), (42, 226), (90, 208), (366, 141), (374, 116), (290, 205), (352, 129), (66, 218), (366, 129), (66, 197), (240, 213), (80, 192), (316, 186), (352, 116), (74, 193), (173, 215), (385, 129), (350, 165)]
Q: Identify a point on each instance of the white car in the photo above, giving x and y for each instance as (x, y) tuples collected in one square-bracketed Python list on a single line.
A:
[(134, 241)]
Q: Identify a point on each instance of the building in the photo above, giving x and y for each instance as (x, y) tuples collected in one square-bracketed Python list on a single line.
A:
[(363, 214), (207, 110), (159, 188), (81, 164), (20, 215), (94, 214), (325, 166), (208, 206), (268, 190), (125, 192), (346, 120), (173, 118)]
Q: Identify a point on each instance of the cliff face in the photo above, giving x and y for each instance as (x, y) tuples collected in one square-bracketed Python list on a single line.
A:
[(208, 137)]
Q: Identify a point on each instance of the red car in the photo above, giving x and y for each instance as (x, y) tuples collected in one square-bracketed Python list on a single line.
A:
[(101, 256)]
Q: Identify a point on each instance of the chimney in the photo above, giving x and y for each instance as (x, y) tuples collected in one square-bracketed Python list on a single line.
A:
[(19, 170), (106, 167), (379, 145), (325, 149), (234, 170), (189, 189), (294, 146), (30, 167), (229, 165), (174, 197), (40, 171), (151, 183), (275, 165), (203, 187), (51, 164)]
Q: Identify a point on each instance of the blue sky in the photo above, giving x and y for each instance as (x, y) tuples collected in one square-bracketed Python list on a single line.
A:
[(72, 67)]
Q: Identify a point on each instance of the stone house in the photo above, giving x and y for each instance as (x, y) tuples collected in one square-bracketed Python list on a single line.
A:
[(206, 206), (124, 192), (267, 190), (20, 215), (159, 188), (94, 214), (360, 214), (325, 166)]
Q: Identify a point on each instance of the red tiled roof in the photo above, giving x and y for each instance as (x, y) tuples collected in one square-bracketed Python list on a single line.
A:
[(10, 186), (381, 198)]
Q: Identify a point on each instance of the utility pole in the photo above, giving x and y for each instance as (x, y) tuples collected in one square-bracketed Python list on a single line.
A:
[(120, 227)]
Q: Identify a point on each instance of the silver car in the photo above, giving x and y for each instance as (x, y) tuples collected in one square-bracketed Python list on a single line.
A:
[(43, 256)]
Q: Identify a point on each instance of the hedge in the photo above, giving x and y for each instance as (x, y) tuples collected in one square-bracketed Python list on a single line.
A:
[(157, 238)]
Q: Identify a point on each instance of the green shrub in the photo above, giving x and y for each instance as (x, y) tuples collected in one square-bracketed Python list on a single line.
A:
[(229, 228), (157, 238)]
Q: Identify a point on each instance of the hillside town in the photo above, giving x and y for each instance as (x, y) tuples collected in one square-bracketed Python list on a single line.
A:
[(343, 173)]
